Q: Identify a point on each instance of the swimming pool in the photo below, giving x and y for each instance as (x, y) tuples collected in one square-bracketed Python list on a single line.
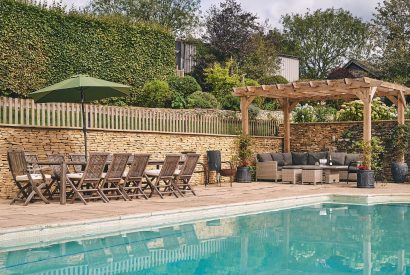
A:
[(325, 238)]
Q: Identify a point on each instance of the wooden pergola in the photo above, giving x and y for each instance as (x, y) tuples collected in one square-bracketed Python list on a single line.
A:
[(289, 95)]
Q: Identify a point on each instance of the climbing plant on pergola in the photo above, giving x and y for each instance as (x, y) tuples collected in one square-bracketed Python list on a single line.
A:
[(289, 95)]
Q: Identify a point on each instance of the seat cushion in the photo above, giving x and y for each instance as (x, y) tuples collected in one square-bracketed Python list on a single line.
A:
[(287, 157), (352, 157), (152, 173), (33, 176), (262, 157), (75, 176), (278, 157), (299, 158), (313, 157), (337, 158)]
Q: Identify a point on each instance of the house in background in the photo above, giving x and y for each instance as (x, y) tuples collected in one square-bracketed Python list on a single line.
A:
[(360, 69), (185, 55), (288, 67)]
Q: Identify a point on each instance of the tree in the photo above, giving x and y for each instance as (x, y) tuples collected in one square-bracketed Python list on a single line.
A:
[(229, 29), (391, 26), (179, 15), (324, 39), (260, 59)]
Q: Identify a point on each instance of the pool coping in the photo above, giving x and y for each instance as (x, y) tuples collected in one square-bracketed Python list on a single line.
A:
[(36, 235)]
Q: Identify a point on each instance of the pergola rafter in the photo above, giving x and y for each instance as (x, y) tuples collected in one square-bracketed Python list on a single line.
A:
[(289, 95)]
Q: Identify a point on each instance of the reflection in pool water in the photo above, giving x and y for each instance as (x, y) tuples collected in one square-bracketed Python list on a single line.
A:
[(332, 239)]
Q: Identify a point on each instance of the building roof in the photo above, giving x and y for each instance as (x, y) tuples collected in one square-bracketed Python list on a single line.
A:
[(365, 66)]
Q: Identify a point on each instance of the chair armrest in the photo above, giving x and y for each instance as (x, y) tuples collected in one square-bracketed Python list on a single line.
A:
[(228, 162), (272, 165)]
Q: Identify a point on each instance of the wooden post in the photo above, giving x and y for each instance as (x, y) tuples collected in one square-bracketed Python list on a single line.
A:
[(286, 125), (401, 108), (367, 97), (245, 102)]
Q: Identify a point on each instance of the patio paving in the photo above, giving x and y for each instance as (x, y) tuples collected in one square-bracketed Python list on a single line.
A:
[(41, 214)]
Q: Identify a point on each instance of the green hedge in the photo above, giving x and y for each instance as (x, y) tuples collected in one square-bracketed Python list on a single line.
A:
[(39, 47)]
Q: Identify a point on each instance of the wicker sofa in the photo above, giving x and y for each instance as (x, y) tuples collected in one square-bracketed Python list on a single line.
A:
[(269, 165)]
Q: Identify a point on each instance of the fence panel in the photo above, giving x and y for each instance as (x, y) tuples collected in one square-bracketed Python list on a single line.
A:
[(26, 113)]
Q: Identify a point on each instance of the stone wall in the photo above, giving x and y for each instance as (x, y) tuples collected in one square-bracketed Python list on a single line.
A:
[(339, 136), (43, 141)]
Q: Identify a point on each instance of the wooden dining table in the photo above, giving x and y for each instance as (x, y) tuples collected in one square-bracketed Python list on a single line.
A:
[(64, 164)]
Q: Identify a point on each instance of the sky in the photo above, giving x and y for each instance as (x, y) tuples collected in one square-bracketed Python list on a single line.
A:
[(273, 9)]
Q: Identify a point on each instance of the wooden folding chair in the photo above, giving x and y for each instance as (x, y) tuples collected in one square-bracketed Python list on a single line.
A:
[(78, 168), (110, 184), (132, 185), (89, 185), (56, 175), (183, 177), (165, 176), (29, 180)]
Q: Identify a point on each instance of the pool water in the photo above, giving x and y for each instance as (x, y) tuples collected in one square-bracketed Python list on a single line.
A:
[(321, 239)]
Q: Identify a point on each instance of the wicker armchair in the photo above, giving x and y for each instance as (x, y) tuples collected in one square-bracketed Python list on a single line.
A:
[(268, 170)]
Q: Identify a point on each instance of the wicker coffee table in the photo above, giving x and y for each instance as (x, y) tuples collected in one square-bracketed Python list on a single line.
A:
[(291, 175), (312, 175)]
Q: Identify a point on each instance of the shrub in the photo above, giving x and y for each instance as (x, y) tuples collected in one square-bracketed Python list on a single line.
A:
[(303, 113), (275, 79), (157, 94), (308, 113), (40, 47), (353, 111), (202, 100), (184, 85), (230, 102)]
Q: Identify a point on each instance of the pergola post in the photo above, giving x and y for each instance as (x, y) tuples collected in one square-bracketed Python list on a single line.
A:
[(401, 108), (287, 107), (366, 96), (245, 102)]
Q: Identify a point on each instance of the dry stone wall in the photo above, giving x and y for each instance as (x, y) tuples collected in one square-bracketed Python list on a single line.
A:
[(43, 141)]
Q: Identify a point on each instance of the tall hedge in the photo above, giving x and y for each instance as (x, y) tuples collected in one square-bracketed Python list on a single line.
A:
[(39, 47)]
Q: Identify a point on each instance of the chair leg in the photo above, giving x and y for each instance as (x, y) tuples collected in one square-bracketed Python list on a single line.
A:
[(75, 193)]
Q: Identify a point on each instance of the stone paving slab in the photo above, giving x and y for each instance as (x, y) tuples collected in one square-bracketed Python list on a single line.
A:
[(41, 214)]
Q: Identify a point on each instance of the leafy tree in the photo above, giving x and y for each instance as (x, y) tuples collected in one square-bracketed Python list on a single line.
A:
[(260, 58), (324, 39), (221, 80), (229, 29), (391, 27), (179, 15), (274, 79)]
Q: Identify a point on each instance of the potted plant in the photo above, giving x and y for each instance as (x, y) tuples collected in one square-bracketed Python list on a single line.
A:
[(244, 159), (371, 158), (400, 144)]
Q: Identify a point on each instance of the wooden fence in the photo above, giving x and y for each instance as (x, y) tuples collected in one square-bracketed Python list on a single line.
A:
[(26, 113)]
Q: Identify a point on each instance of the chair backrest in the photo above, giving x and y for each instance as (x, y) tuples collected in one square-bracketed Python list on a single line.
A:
[(189, 166), (138, 166), (77, 158), (95, 166), (17, 163), (56, 158), (32, 160), (170, 165), (214, 160), (117, 166)]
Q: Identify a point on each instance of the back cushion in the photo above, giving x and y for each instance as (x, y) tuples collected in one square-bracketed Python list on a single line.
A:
[(313, 158), (352, 157), (264, 157), (287, 157), (337, 158), (299, 158), (279, 158)]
